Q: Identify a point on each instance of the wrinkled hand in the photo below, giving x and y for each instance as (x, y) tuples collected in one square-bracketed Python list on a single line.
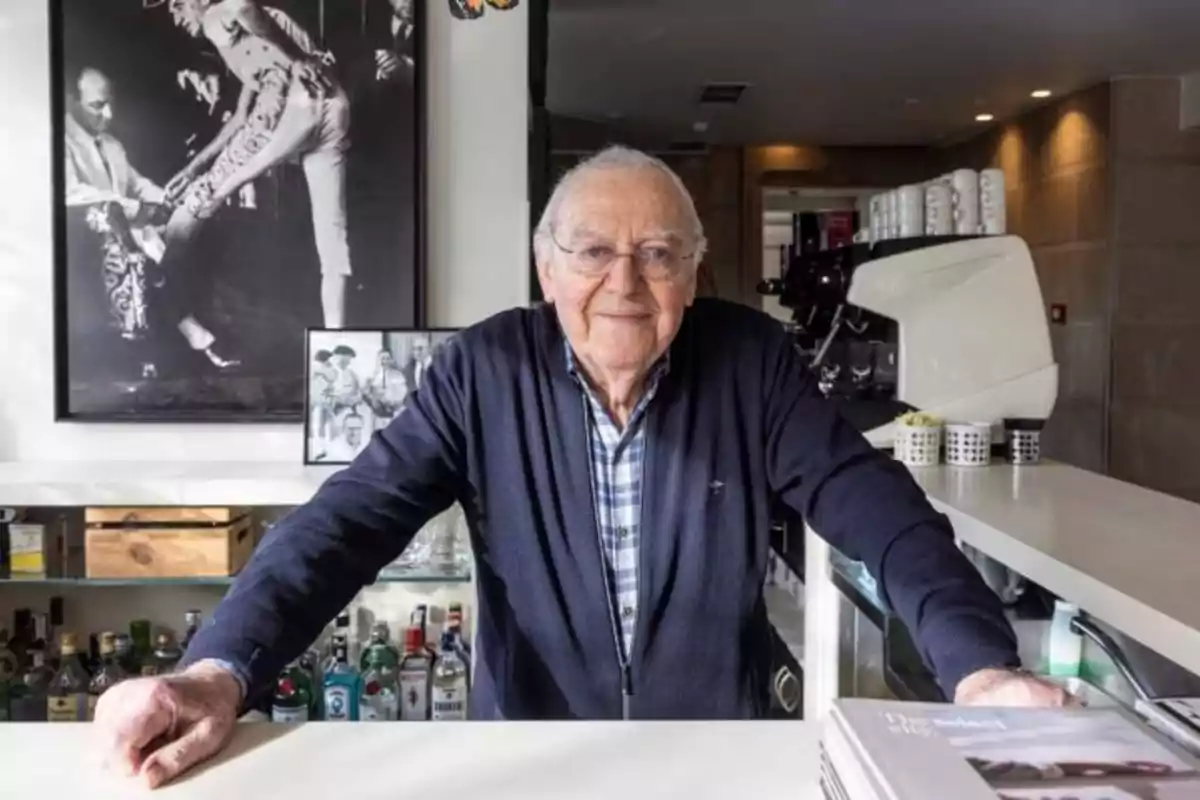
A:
[(1011, 688), (156, 728)]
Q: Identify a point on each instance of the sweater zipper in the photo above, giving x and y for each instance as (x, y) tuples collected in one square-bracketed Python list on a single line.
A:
[(610, 596)]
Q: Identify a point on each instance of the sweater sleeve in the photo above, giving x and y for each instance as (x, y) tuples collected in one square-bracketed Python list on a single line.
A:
[(867, 506), (314, 561)]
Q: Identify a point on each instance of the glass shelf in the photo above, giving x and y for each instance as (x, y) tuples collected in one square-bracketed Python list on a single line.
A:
[(422, 578)]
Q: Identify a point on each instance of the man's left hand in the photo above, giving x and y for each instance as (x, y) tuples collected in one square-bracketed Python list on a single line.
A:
[(1011, 688)]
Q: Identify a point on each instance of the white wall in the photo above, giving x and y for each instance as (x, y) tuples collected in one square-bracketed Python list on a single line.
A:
[(477, 79), (478, 232)]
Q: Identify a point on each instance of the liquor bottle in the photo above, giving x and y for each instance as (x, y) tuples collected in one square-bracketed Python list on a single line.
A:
[(107, 675), (10, 665), (166, 654), (380, 697), (57, 620), (123, 649), (29, 695), (380, 640), (143, 650), (414, 677), (420, 619), (448, 690), (341, 687), (293, 695), (66, 698), (454, 624), (192, 620), (22, 635)]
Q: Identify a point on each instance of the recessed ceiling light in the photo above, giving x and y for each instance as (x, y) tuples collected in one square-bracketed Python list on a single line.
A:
[(1040, 93), (700, 126), (984, 117)]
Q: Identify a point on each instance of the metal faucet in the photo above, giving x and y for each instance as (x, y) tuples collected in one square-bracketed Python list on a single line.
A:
[(1085, 626)]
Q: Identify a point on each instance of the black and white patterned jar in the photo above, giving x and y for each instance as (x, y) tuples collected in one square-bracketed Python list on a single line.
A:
[(1023, 440), (968, 444)]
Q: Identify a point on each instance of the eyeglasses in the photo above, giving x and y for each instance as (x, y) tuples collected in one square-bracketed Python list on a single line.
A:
[(593, 259)]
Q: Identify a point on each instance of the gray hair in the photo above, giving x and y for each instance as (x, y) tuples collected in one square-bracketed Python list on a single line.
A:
[(619, 157)]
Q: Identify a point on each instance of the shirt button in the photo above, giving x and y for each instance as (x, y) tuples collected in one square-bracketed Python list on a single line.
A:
[(627, 612), (622, 533)]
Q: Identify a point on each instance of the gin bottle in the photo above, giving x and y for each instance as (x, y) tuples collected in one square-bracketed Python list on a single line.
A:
[(449, 685), (414, 677), (380, 640), (341, 687), (29, 696), (109, 674), (66, 698), (380, 698)]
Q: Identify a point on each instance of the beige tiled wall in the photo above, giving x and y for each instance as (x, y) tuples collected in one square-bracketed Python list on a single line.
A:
[(1056, 161), (1155, 415)]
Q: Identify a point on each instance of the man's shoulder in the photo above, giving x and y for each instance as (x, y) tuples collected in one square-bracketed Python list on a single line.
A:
[(714, 319), (510, 339)]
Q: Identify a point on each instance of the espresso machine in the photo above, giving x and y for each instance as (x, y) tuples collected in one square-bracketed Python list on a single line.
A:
[(950, 325)]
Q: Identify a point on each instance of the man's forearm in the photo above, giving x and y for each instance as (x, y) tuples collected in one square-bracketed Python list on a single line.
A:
[(957, 622)]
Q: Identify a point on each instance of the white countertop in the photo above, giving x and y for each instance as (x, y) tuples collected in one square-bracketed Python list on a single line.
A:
[(496, 761), (1127, 555), (144, 483)]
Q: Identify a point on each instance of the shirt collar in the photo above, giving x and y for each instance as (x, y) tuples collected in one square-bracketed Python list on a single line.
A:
[(657, 371)]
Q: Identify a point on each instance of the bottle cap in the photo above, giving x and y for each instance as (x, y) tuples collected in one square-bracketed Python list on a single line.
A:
[(68, 643), (108, 643), (414, 640)]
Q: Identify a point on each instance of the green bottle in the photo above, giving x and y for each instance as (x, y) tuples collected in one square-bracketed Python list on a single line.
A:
[(380, 641), (293, 695)]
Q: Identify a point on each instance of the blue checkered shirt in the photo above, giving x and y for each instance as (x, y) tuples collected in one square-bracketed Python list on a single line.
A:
[(616, 467)]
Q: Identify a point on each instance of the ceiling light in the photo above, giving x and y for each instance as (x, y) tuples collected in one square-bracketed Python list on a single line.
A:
[(1040, 94), (700, 126), (984, 117)]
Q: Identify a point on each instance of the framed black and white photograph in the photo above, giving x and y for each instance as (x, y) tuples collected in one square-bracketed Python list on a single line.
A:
[(358, 381), (229, 174)]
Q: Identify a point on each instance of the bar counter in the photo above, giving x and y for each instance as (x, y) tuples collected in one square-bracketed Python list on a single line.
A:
[(393, 761)]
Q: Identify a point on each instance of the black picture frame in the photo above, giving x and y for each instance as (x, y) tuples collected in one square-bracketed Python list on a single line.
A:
[(372, 400), (388, 250)]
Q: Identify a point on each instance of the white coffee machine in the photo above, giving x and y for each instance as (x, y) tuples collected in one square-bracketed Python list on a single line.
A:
[(974, 342)]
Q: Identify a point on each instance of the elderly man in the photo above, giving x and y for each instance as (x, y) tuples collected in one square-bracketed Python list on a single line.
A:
[(616, 453)]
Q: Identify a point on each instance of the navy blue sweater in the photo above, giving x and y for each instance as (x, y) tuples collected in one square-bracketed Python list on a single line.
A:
[(498, 425)]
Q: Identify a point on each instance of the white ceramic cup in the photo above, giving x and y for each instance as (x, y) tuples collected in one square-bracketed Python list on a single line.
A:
[(939, 209), (911, 211), (966, 202), (878, 221), (993, 219), (893, 214)]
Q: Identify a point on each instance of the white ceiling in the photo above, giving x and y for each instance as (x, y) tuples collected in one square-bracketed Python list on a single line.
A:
[(849, 71)]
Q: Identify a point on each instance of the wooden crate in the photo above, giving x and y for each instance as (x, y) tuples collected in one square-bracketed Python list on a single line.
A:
[(166, 542)]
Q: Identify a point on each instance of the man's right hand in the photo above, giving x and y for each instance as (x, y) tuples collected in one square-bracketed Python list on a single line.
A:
[(156, 728)]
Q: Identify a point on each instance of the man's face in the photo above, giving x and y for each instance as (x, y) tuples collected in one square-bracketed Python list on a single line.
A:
[(188, 14), (625, 317), (420, 348), (342, 360), (354, 431), (95, 106), (385, 359)]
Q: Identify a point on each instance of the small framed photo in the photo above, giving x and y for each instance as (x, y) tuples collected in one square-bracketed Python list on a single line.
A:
[(357, 381)]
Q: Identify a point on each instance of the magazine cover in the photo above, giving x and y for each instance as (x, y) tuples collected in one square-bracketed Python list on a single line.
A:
[(1128, 790)]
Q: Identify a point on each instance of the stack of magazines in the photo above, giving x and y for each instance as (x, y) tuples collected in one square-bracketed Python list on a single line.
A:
[(885, 750)]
